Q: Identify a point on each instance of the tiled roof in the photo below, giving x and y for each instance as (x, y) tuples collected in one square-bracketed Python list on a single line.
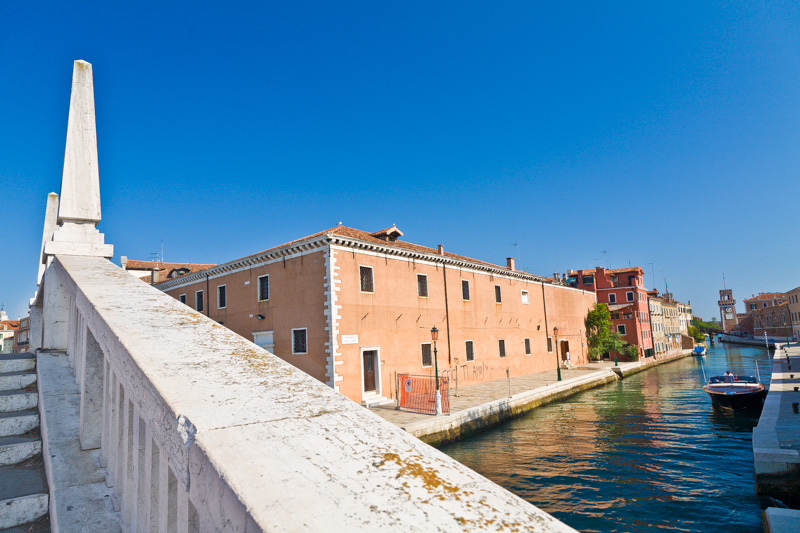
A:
[(12, 324), (368, 238), (353, 233), (134, 264), (767, 296)]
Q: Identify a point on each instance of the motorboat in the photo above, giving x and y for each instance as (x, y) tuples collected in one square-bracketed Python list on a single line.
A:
[(735, 392), (699, 350)]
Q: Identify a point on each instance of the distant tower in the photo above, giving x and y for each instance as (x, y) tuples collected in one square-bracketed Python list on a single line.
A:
[(727, 310)]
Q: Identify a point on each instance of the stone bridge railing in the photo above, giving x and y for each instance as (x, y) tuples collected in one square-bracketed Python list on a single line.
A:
[(201, 430)]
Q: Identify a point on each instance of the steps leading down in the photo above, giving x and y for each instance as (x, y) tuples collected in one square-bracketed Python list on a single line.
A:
[(23, 485)]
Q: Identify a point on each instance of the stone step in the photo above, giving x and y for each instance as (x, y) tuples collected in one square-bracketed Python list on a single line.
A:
[(18, 422), (17, 362), (23, 510), (17, 380), (17, 449), (23, 493), (17, 400)]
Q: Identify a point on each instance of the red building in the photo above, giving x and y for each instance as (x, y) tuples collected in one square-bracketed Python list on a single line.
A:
[(623, 290)]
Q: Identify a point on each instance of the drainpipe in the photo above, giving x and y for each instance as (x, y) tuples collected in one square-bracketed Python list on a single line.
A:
[(207, 298), (546, 327), (446, 309)]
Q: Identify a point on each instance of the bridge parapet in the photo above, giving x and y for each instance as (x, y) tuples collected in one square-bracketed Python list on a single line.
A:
[(202, 430)]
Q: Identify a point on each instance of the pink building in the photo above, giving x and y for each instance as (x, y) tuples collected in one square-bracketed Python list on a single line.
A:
[(354, 309)]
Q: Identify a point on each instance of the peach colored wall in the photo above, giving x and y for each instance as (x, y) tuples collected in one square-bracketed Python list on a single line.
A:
[(296, 300), (395, 320), (398, 321)]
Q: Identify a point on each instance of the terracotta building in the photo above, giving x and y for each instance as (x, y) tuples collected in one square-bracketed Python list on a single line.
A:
[(773, 320), (624, 291), (353, 309), (22, 335), (153, 272), (793, 297)]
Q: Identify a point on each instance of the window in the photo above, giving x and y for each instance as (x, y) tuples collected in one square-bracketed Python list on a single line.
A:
[(470, 351), (527, 346), (427, 354), (265, 339), (222, 297), (198, 301), (629, 296), (182, 298), (612, 298), (501, 345), (764, 304), (525, 297), (299, 340), (621, 329), (498, 295), (263, 288), (549, 344), (588, 280), (367, 284), (422, 285), (464, 289)]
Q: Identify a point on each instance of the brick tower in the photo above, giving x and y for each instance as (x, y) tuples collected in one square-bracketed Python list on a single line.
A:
[(727, 310)]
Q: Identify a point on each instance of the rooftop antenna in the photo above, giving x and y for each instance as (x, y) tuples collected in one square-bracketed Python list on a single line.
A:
[(605, 254), (162, 250)]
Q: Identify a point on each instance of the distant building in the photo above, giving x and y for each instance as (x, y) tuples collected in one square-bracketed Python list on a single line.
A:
[(764, 300), (727, 310), (153, 272), (793, 298), (624, 291), (7, 330), (773, 320), (655, 303), (22, 335), (355, 309)]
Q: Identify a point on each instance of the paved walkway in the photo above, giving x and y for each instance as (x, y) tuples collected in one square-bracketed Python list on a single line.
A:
[(473, 396), (478, 407)]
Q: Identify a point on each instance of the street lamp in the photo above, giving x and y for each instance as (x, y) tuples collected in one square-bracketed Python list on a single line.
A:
[(558, 363), (434, 337)]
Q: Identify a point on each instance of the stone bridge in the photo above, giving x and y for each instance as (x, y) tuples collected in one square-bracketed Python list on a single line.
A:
[(156, 418)]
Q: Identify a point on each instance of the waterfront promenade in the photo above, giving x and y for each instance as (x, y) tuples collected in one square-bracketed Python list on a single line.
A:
[(476, 408), (776, 441)]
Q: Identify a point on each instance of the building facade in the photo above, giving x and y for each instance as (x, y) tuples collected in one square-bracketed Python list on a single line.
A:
[(22, 335), (772, 321), (355, 309), (793, 298), (657, 323), (624, 291)]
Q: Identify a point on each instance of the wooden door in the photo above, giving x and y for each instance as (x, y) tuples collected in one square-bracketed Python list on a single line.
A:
[(370, 358)]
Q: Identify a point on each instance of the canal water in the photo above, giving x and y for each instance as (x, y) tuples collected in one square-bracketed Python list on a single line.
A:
[(647, 453)]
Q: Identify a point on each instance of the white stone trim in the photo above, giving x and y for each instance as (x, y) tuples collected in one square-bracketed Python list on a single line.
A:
[(332, 317)]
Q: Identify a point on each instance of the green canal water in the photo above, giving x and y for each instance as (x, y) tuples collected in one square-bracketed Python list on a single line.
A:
[(644, 454)]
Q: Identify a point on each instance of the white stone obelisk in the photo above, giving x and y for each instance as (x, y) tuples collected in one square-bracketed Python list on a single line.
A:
[(79, 202)]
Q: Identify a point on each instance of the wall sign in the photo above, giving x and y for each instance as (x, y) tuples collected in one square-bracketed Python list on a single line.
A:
[(349, 339)]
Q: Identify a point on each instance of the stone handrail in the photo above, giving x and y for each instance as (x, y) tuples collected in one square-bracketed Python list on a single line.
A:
[(201, 430)]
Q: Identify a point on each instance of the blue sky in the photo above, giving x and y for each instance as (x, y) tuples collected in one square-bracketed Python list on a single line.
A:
[(587, 133)]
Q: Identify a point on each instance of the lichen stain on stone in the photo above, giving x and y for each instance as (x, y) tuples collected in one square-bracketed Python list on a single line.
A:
[(429, 477)]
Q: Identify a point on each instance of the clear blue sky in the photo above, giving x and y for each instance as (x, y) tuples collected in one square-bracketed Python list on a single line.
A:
[(572, 129)]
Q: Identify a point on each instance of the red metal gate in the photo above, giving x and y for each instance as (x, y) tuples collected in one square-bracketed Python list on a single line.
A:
[(418, 393)]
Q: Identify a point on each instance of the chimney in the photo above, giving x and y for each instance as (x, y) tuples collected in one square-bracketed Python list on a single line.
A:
[(124, 262), (555, 276), (510, 263), (441, 249)]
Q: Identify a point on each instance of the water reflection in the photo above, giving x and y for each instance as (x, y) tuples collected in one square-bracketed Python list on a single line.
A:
[(645, 454)]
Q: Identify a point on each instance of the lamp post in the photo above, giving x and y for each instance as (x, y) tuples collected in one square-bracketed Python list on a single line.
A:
[(558, 363), (434, 337)]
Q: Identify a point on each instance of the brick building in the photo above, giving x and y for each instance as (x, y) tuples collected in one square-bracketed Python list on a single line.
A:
[(353, 308), (624, 291)]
